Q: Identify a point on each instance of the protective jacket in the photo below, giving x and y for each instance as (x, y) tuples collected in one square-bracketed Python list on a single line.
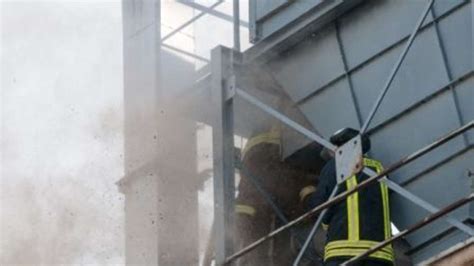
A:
[(261, 158), (357, 223)]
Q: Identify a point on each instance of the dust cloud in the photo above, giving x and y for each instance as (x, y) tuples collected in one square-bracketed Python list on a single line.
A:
[(62, 141), (61, 133)]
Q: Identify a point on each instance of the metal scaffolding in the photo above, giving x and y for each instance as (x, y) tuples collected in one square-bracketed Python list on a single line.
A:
[(225, 87)]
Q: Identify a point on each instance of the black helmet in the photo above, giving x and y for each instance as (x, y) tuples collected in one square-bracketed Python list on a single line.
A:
[(343, 135)]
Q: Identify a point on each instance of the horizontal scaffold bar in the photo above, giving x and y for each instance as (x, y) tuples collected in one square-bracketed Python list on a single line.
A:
[(418, 225), (360, 186)]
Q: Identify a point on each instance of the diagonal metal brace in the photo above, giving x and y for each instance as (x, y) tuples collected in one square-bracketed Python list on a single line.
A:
[(405, 160), (314, 229), (416, 226), (420, 202), (268, 198), (284, 119), (396, 67)]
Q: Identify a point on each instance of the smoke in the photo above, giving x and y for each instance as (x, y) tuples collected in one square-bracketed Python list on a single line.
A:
[(61, 140)]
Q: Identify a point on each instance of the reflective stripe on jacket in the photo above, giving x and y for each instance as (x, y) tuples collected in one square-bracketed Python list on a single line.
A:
[(361, 221), (270, 137)]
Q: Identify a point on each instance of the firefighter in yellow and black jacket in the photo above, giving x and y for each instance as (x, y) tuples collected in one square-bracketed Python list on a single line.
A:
[(286, 184), (359, 222)]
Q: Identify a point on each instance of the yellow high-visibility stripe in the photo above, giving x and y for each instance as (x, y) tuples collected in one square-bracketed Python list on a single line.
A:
[(271, 137), (353, 246), (349, 210), (350, 251), (306, 191), (355, 252), (362, 242), (373, 163), (384, 191), (386, 211), (340, 248), (325, 226), (245, 209), (338, 244), (352, 210)]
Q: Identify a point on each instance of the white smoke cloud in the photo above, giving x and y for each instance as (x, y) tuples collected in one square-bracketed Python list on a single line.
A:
[(61, 133)]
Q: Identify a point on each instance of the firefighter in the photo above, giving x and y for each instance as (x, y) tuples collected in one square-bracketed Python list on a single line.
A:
[(359, 222), (286, 184)]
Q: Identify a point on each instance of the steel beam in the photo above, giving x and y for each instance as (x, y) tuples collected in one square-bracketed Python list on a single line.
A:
[(405, 193), (212, 12), (436, 165), (417, 154), (195, 56), (442, 236), (236, 24), (396, 67), (425, 205), (419, 201), (189, 22), (284, 119), (413, 228), (456, 250), (223, 155), (314, 229), (268, 198)]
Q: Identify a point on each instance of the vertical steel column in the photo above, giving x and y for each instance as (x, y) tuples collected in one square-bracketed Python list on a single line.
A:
[(236, 16), (253, 21), (223, 154)]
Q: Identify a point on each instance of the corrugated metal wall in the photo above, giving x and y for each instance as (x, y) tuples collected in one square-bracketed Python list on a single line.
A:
[(336, 75)]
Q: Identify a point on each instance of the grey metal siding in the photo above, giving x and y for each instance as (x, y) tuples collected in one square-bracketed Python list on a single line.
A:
[(268, 17), (456, 33), (322, 110), (465, 91), (265, 7), (439, 246), (450, 176), (415, 130), (376, 25), (332, 78), (443, 6), (311, 66), (421, 73)]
